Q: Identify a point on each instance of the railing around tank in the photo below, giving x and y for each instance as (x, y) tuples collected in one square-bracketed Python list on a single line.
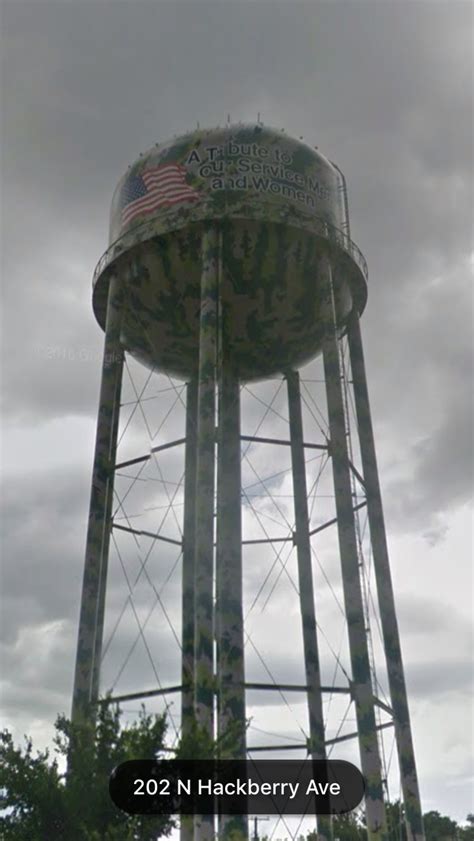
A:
[(344, 240), (329, 232)]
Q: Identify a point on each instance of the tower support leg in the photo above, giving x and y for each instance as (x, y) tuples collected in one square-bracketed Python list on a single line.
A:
[(189, 537), (305, 578), (205, 486), (188, 607), (229, 612), (362, 684), (388, 618), (91, 621)]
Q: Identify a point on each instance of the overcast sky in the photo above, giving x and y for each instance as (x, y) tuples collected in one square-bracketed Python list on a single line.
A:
[(384, 89)]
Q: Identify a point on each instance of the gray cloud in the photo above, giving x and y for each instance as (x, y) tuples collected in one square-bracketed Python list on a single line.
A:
[(435, 467), (438, 680), (381, 88)]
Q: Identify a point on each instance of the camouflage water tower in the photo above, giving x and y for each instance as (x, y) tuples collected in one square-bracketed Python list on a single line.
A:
[(230, 261)]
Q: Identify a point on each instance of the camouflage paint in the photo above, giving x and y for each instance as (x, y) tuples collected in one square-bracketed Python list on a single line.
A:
[(91, 620), (243, 254), (272, 241), (204, 557), (316, 746), (224, 165), (188, 570), (362, 690), (188, 573), (229, 616), (388, 617)]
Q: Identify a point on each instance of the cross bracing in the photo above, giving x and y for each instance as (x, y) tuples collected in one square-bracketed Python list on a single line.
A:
[(147, 543), (291, 506)]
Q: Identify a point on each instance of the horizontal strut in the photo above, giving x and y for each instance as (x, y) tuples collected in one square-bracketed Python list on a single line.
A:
[(334, 520), (291, 687), (133, 696), (286, 687), (148, 456), (355, 734), (281, 441), (147, 534), (304, 745)]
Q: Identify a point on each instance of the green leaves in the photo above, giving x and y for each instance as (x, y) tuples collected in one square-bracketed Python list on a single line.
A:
[(41, 802)]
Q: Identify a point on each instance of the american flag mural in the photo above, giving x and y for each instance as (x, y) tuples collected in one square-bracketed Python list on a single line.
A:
[(153, 188)]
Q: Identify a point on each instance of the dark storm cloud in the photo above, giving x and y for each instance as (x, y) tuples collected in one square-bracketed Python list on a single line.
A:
[(38, 664), (44, 528), (442, 478), (434, 681), (43, 534), (435, 418), (381, 88), (394, 115), (422, 615), (71, 87)]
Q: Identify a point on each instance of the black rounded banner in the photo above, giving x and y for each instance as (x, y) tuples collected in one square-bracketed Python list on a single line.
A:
[(292, 787)]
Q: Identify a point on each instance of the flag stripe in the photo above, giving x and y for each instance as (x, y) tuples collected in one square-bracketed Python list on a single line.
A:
[(156, 187), (155, 199), (163, 178), (148, 207)]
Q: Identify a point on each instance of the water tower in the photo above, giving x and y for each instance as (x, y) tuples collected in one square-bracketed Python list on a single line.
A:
[(230, 262)]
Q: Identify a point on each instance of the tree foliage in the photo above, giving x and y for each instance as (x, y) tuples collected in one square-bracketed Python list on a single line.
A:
[(39, 805), (347, 827)]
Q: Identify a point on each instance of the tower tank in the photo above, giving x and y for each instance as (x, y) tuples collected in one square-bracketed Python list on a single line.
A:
[(230, 260), (279, 204)]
